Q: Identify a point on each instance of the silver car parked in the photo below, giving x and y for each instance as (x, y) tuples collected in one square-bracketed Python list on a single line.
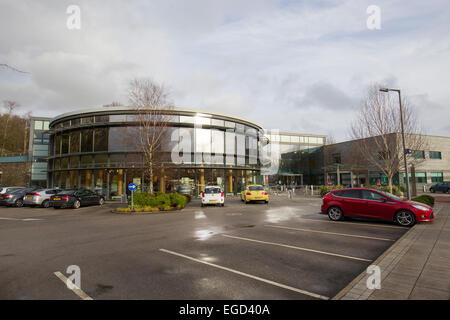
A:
[(39, 197), (9, 189)]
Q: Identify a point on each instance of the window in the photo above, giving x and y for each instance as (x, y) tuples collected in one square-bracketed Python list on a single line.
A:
[(437, 177), (74, 141), (65, 144), (370, 195), (86, 161), (58, 144), (418, 154), (74, 162), (46, 124), (87, 120), (336, 157), (354, 194), (435, 155), (38, 125), (421, 177), (76, 122), (219, 123), (101, 139), (285, 139), (104, 118), (86, 140)]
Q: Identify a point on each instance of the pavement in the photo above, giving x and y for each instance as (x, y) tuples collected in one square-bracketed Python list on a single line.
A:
[(416, 267), (281, 250)]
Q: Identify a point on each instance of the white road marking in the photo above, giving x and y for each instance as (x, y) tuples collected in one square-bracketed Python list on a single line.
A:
[(333, 233), (75, 289), (297, 248), (17, 219), (311, 294), (356, 223)]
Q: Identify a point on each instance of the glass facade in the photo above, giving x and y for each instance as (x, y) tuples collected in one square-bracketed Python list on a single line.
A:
[(105, 152)]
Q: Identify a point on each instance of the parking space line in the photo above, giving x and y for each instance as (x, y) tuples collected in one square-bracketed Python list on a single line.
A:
[(18, 219), (311, 294), (74, 288), (297, 248), (356, 223), (332, 233)]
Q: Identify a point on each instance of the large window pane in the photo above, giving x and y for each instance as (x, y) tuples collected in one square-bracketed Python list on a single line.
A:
[(75, 141), (230, 147), (65, 143), (86, 140), (58, 144), (123, 139), (101, 139), (218, 146)]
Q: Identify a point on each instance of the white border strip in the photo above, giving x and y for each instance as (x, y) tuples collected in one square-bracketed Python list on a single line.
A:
[(75, 289), (298, 248), (311, 294), (333, 233)]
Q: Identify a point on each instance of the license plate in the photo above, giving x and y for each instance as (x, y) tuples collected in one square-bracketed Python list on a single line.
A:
[(29, 197), (212, 200), (56, 198)]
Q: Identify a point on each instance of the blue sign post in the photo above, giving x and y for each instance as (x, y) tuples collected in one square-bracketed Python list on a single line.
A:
[(132, 187)]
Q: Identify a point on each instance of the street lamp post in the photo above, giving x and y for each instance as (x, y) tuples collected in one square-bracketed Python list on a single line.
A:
[(408, 193)]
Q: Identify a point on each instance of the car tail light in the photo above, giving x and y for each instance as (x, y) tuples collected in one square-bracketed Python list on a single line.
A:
[(264, 193), (6, 196), (248, 193), (51, 197), (203, 194), (221, 194), (65, 198), (36, 194)]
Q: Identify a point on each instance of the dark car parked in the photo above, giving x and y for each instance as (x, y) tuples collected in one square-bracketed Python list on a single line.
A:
[(442, 187), (370, 203), (75, 199), (14, 198)]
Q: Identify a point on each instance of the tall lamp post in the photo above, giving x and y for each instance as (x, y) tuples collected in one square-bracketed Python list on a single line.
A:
[(408, 193)]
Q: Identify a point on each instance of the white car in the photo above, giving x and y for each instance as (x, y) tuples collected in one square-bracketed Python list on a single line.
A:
[(213, 195)]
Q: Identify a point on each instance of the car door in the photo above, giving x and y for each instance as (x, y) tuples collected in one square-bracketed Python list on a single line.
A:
[(376, 207), (352, 203), (83, 197)]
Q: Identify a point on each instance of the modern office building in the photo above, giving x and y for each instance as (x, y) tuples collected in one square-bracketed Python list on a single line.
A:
[(98, 149), (344, 165), (295, 157)]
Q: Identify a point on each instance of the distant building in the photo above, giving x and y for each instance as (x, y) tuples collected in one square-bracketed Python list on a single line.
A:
[(433, 164)]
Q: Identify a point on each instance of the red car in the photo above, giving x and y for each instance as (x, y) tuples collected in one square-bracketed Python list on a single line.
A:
[(370, 203)]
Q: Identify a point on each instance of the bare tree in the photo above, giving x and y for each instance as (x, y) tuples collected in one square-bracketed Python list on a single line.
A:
[(377, 130), (151, 101), (10, 106)]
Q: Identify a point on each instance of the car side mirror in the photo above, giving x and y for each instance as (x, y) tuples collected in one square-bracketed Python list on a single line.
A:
[(384, 199)]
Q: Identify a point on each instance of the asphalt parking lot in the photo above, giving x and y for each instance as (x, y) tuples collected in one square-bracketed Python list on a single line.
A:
[(280, 250)]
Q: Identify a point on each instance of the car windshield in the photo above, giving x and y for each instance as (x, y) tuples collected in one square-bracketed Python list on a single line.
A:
[(390, 195), (212, 190), (256, 188)]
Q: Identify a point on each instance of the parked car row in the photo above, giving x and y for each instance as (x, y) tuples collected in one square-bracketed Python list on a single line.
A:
[(56, 198)]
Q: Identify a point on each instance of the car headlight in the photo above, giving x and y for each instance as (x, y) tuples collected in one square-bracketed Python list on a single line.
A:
[(418, 206)]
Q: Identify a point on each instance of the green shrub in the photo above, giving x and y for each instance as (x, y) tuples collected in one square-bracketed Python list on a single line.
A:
[(325, 189), (427, 199), (158, 200)]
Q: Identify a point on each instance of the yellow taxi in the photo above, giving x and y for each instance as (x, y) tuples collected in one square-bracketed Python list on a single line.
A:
[(254, 192)]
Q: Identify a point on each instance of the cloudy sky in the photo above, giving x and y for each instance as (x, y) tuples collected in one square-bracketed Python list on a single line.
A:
[(297, 66)]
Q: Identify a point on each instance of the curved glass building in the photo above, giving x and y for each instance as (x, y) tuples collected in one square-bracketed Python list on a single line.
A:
[(97, 149)]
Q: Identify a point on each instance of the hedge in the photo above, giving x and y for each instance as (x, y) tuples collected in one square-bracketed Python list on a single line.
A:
[(427, 199), (159, 200), (325, 189)]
